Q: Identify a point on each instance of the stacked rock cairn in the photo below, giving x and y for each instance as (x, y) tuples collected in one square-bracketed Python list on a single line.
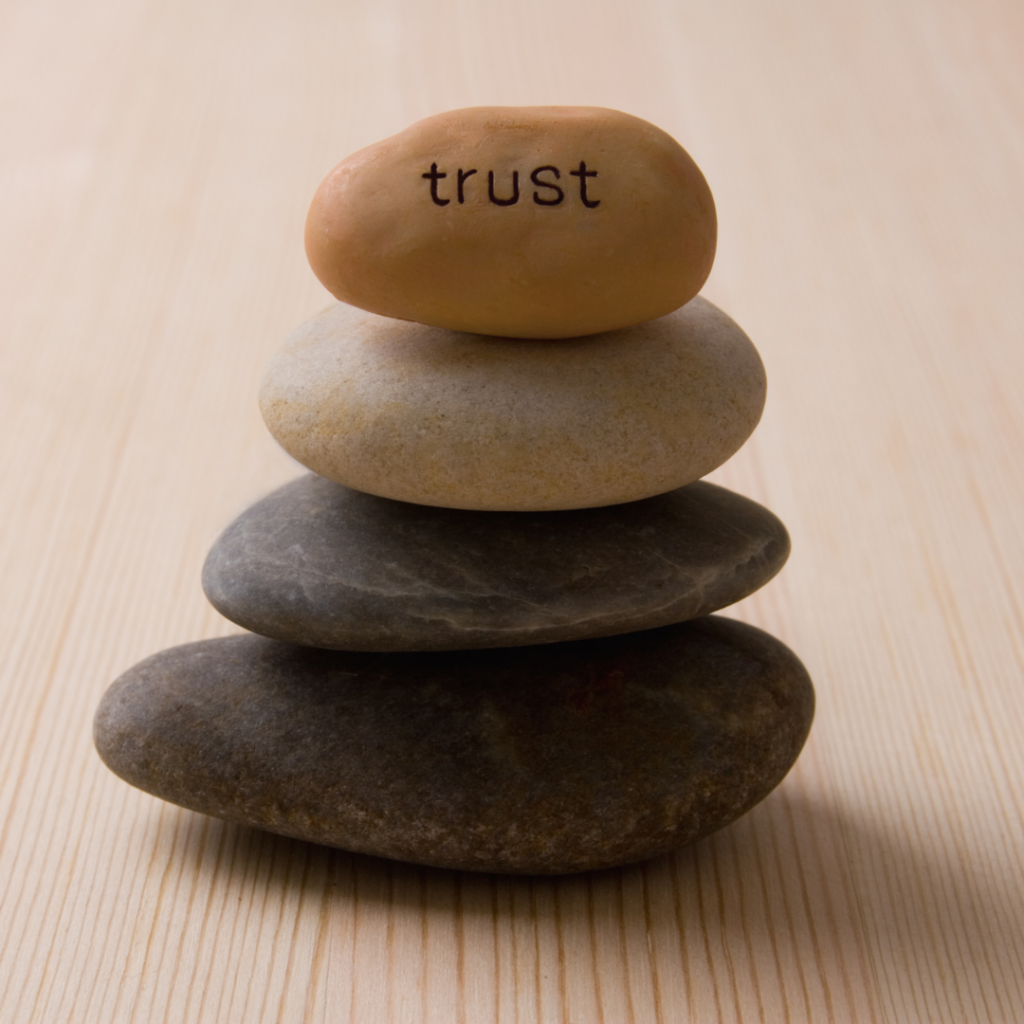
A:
[(480, 627)]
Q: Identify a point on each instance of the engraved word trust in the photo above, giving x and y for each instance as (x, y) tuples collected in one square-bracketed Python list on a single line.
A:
[(553, 195)]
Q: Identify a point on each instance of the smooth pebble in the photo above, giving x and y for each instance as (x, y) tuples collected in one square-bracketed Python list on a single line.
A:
[(437, 417), (317, 563), (549, 759), (535, 222)]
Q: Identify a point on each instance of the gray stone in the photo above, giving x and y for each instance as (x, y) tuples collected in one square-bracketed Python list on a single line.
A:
[(549, 759), (316, 563)]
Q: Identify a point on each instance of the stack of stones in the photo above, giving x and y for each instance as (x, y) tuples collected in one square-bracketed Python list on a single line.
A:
[(480, 628)]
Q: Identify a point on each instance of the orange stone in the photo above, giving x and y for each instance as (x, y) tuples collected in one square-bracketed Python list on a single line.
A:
[(532, 222)]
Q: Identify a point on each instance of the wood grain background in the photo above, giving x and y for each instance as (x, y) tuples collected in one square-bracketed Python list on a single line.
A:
[(156, 162)]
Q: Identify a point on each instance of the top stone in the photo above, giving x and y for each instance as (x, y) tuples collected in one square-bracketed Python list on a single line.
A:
[(531, 222)]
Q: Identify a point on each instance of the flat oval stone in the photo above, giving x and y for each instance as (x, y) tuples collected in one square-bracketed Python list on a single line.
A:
[(559, 758), (317, 563), (530, 222), (436, 417)]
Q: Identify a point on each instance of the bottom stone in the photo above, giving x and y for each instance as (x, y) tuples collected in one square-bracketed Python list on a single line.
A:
[(560, 758)]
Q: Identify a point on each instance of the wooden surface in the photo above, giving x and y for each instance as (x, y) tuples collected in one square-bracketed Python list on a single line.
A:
[(156, 162)]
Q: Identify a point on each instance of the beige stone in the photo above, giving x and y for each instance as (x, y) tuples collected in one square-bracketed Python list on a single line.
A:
[(533, 222), (437, 417)]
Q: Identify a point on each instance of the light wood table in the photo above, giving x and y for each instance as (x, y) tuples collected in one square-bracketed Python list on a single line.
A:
[(156, 162)]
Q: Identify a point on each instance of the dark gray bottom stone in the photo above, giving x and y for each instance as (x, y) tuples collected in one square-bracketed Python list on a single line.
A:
[(319, 564), (560, 758)]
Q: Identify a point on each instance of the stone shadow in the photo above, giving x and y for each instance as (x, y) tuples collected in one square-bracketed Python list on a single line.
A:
[(857, 919)]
